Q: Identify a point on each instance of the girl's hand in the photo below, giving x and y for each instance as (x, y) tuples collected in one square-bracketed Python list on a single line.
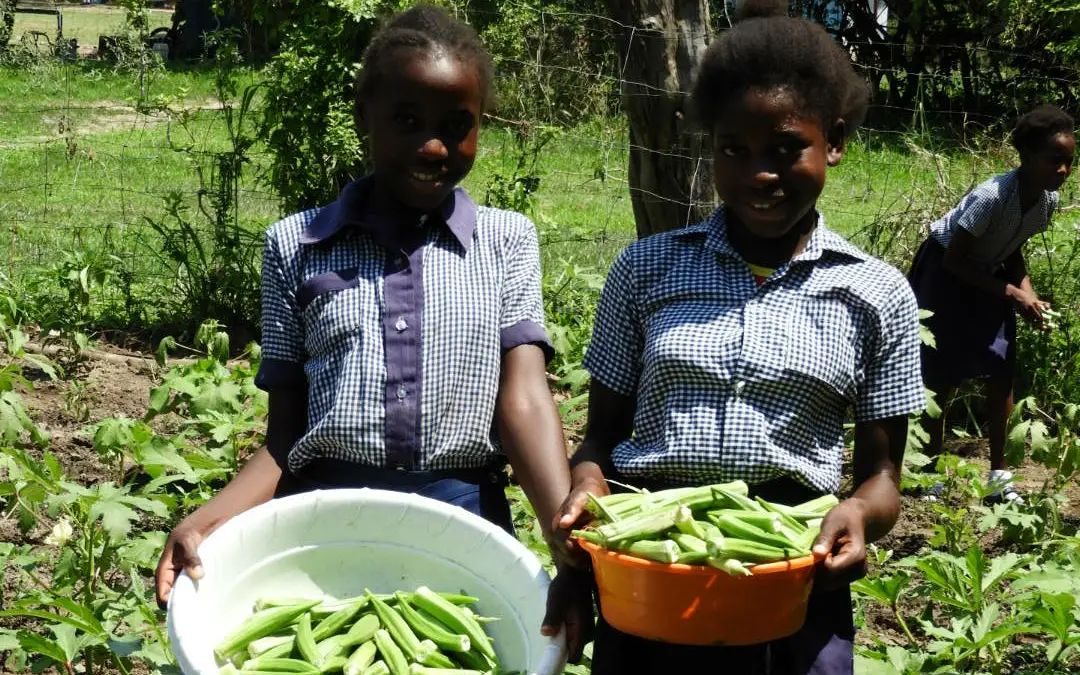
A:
[(842, 545), (572, 514), (181, 552), (1028, 304), (569, 603)]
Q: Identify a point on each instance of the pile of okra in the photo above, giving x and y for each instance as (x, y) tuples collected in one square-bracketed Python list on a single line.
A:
[(717, 525), (403, 633)]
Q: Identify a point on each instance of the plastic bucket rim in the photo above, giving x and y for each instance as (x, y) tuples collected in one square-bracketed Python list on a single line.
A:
[(596, 552)]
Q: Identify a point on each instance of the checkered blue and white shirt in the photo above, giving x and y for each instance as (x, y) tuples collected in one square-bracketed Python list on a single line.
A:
[(401, 350), (991, 212), (739, 381)]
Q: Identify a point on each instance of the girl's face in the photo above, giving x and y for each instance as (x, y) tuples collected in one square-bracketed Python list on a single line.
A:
[(1050, 163), (422, 123), (769, 160)]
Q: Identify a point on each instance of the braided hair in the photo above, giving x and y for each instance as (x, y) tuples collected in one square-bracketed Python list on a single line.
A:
[(429, 29)]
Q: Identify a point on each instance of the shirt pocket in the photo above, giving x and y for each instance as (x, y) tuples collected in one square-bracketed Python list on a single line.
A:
[(335, 307), (821, 350)]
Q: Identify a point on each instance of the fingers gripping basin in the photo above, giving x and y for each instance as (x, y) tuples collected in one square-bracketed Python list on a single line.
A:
[(336, 543)]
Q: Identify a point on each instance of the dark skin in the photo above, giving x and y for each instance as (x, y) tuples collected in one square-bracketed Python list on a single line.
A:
[(1043, 166), (769, 169), (422, 134)]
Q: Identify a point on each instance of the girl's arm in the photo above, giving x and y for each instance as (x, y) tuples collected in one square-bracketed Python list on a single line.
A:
[(253, 485), (871, 511), (610, 421), (960, 263), (531, 433)]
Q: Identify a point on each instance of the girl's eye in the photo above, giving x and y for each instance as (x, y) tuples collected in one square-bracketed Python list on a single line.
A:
[(788, 150), (406, 120), (460, 128), (729, 151)]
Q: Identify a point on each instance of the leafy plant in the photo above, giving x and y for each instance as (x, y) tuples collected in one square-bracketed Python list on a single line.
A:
[(213, 256)]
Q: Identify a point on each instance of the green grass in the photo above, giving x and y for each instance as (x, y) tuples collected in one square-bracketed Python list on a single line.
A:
[(582, 205), (84, 22), (81, 167)]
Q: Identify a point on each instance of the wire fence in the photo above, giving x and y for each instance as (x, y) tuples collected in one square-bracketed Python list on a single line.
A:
[(87, 169)]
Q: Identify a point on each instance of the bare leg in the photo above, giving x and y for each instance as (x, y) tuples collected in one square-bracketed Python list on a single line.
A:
[(999, 400)]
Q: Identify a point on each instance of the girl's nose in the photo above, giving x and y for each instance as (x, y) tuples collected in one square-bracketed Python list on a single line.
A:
[(434, 148), (763, 173)]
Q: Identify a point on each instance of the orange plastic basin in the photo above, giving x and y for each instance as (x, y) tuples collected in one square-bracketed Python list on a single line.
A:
[(700, 605)]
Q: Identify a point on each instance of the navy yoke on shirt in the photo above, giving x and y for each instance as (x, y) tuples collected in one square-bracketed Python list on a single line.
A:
[(401, 349)]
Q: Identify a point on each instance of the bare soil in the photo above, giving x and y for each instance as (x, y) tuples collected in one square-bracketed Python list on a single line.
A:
[(120, 386)]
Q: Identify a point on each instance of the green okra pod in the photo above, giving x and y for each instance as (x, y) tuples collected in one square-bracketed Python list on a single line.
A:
[(262, 623), (454, 618), (392, 655)]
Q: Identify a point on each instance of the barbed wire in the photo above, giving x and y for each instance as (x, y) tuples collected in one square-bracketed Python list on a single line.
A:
[(80, 171)]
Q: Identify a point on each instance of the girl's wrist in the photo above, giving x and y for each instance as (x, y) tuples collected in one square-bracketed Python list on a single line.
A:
[(588, 476)]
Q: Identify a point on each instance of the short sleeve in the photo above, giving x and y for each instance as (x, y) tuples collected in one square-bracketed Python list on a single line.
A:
[(1053, 201), (614, 354), (978, 212), (283, 352), (521, 320), (892, 383)]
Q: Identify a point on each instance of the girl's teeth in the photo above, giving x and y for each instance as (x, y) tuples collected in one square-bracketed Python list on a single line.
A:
[(425, 176)]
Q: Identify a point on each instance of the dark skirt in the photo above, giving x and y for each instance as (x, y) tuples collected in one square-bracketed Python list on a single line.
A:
[(824, 645), (975, 333), (479, 491)]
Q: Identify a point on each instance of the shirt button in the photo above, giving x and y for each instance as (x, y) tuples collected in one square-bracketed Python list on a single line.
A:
[(401, 324), (739, 386), (402, 393)]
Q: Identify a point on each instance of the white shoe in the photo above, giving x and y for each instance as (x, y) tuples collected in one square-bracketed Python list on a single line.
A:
[(1000, 480)]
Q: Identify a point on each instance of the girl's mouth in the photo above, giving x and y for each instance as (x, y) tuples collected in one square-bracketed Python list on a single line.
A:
[(427, 176)]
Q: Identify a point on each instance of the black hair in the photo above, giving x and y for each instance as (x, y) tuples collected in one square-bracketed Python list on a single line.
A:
[(1040, 124), (427, 28), (767, 49)]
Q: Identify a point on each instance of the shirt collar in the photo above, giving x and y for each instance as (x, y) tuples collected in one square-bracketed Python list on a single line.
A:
[(822, 239), (457, 212)]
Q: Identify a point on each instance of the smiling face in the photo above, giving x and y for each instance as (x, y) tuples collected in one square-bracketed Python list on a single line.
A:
[(422, 123), (1050, 162), (769, 161)]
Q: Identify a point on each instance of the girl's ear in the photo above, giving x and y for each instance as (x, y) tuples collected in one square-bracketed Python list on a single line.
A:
[(835, 141)]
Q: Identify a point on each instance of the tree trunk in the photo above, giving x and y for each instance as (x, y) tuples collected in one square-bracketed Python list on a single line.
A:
[(660, 44)]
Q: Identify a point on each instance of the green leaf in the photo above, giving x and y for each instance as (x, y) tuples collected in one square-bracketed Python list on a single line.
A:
[(1040, 442), (1070, 458), (8, 641), (1015, 443), (113, 435), (89, 622), (159, 399), (36, 644), (222, 397), (115, 515), (143, 551), (67, 640), (884, 589), (1000, 570), (125, 646), (161, 356), (1054, 614)]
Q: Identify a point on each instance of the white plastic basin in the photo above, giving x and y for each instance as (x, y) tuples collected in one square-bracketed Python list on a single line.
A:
[(336, 543)]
